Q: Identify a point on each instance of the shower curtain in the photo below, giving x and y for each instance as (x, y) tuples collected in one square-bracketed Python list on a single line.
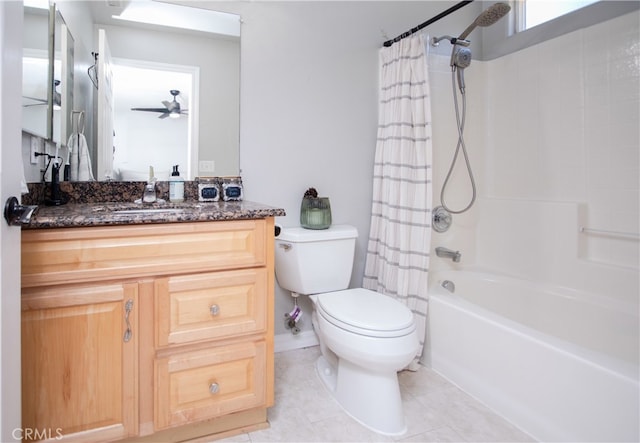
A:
[(397, 259)]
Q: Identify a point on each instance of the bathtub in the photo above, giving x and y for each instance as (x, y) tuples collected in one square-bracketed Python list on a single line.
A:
[(560, 365)]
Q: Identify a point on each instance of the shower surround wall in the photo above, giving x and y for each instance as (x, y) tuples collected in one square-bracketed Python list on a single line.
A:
[(562, 152), (554, 141)]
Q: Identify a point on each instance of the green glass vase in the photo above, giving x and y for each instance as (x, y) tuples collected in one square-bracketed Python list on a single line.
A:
[(315, 213)]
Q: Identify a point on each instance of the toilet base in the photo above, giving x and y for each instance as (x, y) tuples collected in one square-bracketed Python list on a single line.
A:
[(372, 399)]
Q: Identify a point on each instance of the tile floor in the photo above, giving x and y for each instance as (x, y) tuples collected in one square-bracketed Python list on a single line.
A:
[(436, 410)]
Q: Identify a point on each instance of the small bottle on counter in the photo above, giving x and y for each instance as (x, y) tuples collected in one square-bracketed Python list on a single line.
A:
[(176, 186)]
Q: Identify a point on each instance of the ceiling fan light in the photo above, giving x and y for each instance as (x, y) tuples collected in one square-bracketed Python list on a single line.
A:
[(174, 114)]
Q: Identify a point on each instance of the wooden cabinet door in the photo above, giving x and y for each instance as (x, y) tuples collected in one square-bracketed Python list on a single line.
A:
[(79, 361)]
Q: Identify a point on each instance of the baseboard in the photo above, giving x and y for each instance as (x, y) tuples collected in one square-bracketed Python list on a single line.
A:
[(288, 341)]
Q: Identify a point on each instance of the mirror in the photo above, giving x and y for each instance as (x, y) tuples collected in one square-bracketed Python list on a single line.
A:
[(47, 74), (204, 141), (61, 77), (35, 72)]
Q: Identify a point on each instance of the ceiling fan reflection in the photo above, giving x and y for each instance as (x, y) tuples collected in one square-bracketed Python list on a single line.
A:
[(171, 108)]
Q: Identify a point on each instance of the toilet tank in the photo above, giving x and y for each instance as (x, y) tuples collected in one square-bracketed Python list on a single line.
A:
[(309, 261)]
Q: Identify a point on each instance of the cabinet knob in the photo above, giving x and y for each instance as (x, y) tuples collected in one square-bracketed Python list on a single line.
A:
[(214, 388), (214, 309)]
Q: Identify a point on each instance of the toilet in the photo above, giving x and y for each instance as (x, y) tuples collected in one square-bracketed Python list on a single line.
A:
[(365, 337)]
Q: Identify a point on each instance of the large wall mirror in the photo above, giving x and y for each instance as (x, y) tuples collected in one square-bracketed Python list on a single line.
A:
[(148, 94), (47, 74)]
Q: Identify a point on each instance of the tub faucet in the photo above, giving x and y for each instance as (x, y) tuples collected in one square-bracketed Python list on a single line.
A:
[(448, 253)]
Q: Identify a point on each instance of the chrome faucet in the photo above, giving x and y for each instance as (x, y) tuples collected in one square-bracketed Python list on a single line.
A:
[(149, 193), (448, 253)]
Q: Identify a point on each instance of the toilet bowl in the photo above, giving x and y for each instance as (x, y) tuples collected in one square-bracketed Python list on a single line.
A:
[(365, 337), (363, 376)]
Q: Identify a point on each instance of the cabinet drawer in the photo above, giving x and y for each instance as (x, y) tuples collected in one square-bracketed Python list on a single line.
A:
[(210, 305), (55, 256), (194, 386)]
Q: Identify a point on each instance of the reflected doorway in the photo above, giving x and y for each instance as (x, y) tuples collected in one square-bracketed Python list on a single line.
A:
[(148, 138)]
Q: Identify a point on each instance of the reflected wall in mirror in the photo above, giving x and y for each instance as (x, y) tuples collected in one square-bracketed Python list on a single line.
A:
[(35, 71), (213, 102)]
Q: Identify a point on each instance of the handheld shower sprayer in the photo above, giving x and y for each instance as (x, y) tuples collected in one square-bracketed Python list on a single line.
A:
[(487, 18), (461, 59)]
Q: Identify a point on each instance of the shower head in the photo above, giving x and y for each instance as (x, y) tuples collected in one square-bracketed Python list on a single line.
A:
[(487, 18)]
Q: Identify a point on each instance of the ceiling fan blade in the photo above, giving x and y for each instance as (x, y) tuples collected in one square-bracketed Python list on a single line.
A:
[(163, 110), (171, 105)]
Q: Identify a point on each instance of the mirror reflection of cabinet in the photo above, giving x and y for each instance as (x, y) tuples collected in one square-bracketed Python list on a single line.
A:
[(47, 77)]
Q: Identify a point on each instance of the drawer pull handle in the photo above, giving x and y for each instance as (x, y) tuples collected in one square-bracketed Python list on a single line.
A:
[(127, 311), (214, 388), (214, 309)]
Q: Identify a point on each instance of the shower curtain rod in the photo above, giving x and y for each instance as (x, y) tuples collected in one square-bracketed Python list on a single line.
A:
[(428, 22)]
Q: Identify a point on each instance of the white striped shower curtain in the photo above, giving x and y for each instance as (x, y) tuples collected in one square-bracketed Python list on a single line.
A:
[(397, 261)]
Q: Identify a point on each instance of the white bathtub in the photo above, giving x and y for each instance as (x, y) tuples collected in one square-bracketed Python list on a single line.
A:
[(561, 365)]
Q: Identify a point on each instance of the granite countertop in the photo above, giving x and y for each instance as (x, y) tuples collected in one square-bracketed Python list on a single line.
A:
[(74, 215), (86, 206)]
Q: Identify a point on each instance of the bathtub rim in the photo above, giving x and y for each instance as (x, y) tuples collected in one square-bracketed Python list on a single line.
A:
[(618, 367), (621, 306)]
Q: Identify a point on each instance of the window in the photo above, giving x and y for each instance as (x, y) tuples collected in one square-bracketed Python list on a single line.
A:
[(531, 13)]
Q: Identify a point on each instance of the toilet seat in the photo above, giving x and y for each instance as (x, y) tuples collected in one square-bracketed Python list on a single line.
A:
[(366, 312)]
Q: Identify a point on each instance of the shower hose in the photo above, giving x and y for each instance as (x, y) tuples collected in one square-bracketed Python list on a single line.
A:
[(460, 146)]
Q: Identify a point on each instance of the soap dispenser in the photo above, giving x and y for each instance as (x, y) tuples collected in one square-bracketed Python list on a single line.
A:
[(176, 186)]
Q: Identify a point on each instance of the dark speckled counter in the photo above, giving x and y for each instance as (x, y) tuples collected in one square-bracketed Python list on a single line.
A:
[(86, 206), (73, 215)]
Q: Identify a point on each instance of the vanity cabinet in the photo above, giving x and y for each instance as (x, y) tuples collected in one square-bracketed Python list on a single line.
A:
[(157, 332)]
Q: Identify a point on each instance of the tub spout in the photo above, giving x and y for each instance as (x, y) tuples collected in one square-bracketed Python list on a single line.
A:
[(448, 253)]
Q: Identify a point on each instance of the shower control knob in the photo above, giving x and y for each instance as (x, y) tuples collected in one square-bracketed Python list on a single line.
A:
[(441, 219)]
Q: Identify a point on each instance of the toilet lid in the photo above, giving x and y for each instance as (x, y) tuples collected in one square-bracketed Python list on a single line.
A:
[(366, 312)]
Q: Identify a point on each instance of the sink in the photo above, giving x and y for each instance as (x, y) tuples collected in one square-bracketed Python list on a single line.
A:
[(149, 211)]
